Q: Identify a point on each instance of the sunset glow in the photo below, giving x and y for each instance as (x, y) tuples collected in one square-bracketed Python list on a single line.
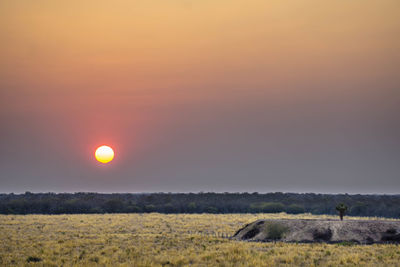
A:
[(196, 95), (104, 154)]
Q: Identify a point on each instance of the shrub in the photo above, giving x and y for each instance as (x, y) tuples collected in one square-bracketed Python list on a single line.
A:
[(275, 231), (268, 207), (33, 259), (150, 208), (212, 209), (295, 209), (113, 205), (347, 243), (322, 234), (192, 207)]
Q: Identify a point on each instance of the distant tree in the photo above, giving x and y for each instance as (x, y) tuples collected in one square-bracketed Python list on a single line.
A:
[(52, 203), (133, 208), (211, 209), (358, 209), (192, 207), (267, 207), (168, 208), (19, 206), (294, 209), (150, 208), (341, 208), (113, 205)]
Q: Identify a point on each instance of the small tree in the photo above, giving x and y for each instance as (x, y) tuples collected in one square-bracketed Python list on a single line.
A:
[(341, 208)]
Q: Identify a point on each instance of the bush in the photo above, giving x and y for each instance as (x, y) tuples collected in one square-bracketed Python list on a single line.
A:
[(322, 234), (113, 205), (33, 259), (150, 208), (268, 207), (295, 209), (212, 209), (275, 231), (347, 243), (133, 208), (358, 209), (191, 207)]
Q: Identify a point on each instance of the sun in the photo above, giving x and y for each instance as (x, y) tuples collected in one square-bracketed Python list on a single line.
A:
[(104, 154)]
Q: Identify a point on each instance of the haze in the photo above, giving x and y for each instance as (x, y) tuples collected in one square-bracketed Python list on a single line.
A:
[(226, 95)]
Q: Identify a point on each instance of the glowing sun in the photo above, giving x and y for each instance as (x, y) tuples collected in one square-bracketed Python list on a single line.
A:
[(104, 154)]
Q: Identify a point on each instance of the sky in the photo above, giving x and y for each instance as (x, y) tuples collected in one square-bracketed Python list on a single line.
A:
[(211, 95)]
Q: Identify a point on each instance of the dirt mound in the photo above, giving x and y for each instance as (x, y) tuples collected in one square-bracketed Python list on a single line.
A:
[(329, 231)]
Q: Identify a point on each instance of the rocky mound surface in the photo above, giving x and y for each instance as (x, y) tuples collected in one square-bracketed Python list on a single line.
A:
[(329, 231)]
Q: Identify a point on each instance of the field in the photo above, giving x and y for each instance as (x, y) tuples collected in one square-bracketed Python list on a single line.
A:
[(166, 240)]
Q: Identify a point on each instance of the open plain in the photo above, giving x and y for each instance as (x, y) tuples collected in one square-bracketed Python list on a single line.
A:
[(168, 240)]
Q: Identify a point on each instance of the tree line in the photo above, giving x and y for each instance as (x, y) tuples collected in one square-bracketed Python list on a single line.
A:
[(293, 203)]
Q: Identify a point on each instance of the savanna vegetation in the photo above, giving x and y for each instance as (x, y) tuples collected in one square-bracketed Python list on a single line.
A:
[(154, 239), (341, 208), (51, 203)]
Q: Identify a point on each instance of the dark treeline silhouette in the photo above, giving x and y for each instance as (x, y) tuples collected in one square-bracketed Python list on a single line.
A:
[(52, 203)]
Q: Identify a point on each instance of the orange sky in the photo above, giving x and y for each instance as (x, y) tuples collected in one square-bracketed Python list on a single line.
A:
[(133, 72), (156, 46)]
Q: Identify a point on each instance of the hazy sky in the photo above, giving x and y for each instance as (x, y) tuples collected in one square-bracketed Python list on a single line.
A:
[(200, 95)]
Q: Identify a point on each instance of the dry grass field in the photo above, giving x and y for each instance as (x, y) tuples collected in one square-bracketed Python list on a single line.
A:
[(166, 240)]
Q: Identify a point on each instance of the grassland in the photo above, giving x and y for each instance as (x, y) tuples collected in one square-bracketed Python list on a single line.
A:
[(166, 240)]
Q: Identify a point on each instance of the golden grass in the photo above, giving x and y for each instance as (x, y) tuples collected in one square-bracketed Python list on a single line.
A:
[(167, 240)]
